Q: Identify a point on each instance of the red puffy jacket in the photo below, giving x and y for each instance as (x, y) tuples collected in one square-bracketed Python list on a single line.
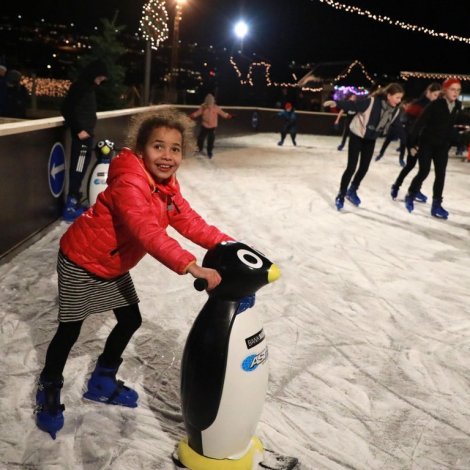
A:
[(129, 220)]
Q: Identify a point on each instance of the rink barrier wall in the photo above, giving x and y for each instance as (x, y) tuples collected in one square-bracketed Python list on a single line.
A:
[(27, 203)]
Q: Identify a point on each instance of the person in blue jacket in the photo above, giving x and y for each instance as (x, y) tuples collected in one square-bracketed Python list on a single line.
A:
[(290, 123), (374, 117)]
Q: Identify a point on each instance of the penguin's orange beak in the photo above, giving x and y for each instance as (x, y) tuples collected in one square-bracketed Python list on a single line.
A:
[(274, 273)]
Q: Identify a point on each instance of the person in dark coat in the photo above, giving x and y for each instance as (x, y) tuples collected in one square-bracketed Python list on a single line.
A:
[(430, 141), (79, 111), (411, 113), (16, 96)]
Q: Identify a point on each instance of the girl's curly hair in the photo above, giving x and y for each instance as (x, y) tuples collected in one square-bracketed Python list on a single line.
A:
[(142, 125)]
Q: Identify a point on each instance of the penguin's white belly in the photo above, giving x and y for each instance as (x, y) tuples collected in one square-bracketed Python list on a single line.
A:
[(97, 181), (244, 390)]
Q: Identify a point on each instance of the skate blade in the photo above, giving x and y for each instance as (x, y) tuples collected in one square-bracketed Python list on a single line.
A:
[(105, 400), (275, 461)]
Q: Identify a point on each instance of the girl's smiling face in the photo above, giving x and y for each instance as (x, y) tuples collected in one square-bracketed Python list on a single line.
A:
[(162, 154), (395, 99)]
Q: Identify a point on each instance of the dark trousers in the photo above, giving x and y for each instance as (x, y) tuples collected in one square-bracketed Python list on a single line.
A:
[(359, 151), (80, 156), (128, 321), (204, 133), (410, 164), (291, 129), (346, 131), (438, 155), (389, 137)]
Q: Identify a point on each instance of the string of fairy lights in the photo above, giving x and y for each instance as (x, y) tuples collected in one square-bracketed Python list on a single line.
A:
[(248, 80), (433, 76), (401, 24), (154, 23)]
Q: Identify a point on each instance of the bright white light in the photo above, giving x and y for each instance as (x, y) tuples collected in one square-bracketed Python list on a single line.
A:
[(241, 29)]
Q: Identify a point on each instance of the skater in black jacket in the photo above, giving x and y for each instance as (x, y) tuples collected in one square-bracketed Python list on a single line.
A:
[(79, 111), (412, 112), (374, 117), (430, 141)]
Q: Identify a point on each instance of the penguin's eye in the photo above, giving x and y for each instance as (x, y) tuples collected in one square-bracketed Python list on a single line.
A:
[(100, 144), (250, 259)]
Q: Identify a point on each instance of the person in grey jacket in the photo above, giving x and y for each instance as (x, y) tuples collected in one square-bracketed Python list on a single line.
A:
[(374, 116)]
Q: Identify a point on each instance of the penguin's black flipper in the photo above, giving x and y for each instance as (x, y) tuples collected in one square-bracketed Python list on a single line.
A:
[(274, 461)]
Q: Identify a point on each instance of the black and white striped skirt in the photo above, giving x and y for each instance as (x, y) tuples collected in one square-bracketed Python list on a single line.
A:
[(82, 293)]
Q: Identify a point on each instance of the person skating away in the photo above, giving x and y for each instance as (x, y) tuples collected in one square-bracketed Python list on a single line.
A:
[(209, 112), (79, 111), (289, 126), (347, 121), (411, 113), (374, 116), (394, 133), (430, 140), (128, 220)]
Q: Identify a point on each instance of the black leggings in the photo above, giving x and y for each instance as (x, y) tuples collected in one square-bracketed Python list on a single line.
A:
[(427, 154), (128, 321), (204, 133), (357, 147), (410, 164)]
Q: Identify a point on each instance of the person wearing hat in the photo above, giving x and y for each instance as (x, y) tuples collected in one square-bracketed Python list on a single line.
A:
[(79, 111), (290, 123), (430, 141)]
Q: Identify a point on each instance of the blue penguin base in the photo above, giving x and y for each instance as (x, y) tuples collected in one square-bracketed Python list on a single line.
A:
[(191, 460)]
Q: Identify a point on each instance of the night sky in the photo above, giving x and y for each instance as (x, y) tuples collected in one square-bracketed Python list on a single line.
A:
[(301, 30)]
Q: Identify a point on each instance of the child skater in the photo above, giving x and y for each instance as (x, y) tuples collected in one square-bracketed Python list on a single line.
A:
[(411, 113), (374, 116), (209, 112), (430, 140), (290, 123), (128, 220)]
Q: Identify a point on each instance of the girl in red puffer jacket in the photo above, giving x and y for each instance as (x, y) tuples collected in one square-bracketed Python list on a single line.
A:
[(128, 220)]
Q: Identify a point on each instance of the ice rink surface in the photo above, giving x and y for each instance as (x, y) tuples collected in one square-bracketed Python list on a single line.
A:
[(368, 327)]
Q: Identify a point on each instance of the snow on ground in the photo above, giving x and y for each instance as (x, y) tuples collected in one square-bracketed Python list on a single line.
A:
[(368, 327)]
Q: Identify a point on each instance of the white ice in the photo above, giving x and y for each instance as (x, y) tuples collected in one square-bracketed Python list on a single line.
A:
[(368, 327)]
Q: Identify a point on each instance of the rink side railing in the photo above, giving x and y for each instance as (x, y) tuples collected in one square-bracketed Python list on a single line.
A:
[(30, 202)]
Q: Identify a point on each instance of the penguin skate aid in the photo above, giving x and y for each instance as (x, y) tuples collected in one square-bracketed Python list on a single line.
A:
[(224, 374), (105, 151)]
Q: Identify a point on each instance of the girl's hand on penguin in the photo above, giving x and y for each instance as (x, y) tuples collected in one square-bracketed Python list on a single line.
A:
[(212, 277)]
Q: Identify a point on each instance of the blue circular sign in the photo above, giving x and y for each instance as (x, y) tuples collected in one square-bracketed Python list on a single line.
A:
[(56, 169)]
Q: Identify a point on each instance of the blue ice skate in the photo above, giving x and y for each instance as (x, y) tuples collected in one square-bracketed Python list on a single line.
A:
[(49, 410), (409, 202), (420, 197), (72, 209), (394, 191), (104, 387), (339, 202), (438, 211), (352, 196)]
